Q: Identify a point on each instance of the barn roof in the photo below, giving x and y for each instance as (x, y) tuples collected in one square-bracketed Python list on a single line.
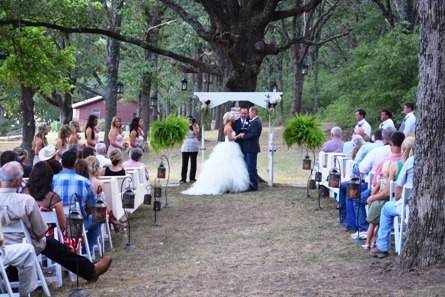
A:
[(87, 102)]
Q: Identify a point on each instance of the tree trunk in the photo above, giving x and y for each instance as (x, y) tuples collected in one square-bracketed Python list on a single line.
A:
[(316, 68), (297, 57), (407, 12), (425, 243), (66, 109), (28, 123), (112, 61)]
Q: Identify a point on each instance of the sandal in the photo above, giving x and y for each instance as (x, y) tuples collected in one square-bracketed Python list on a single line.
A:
[(366, 246)]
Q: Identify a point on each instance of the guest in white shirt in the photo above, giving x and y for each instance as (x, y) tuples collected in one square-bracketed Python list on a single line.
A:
[(360, 115), (101, 155), (408, 126), (386, 119)]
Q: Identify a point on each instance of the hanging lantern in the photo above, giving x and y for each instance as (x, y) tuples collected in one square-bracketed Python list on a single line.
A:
[(184, 84), (312, 184), (147, 199), (74, 227), (158, 191), (100, 212), (161, 171), (334, 178), (157, 205), (353, 188), (128, 199), (318, 176), (307, 163)]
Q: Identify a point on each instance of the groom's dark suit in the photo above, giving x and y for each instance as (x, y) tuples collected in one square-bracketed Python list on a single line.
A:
[(240, 125), (250, 146)]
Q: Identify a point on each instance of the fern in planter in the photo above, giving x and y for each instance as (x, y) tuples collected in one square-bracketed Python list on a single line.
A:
[(304, 130), (168, 133)]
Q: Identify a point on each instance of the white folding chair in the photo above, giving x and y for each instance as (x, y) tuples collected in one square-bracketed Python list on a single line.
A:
[(50, 217), (6, 285), (19, 227)]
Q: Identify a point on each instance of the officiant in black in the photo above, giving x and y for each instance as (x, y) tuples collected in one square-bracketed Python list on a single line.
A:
[(241, 124)]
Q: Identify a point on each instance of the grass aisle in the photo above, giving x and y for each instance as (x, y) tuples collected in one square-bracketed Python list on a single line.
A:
[(268, 243)]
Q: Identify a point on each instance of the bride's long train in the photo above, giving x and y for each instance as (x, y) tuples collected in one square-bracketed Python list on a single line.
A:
[(224, 171)]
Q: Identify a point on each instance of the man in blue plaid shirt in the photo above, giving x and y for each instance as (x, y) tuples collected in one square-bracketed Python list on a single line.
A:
[(72, 187)]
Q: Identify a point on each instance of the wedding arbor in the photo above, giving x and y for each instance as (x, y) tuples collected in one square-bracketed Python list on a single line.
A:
[(267, 100)]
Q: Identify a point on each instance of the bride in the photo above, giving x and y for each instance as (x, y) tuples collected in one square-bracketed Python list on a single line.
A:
[(225, 170)]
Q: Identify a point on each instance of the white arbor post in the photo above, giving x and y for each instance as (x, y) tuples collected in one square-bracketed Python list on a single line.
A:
[(271, 151)]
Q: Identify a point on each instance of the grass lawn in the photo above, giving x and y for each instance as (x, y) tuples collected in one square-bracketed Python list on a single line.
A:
[(267, 243)]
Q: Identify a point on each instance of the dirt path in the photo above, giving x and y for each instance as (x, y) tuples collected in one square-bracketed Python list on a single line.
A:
[(268, 243)]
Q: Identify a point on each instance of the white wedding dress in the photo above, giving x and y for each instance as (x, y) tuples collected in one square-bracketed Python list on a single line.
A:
[(224, 171)]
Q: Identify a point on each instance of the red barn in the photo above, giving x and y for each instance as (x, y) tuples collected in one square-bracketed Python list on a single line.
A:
[(96, 105)]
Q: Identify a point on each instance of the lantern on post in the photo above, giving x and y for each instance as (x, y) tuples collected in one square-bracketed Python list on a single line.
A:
[(100, 211), (304, 69), (184, 84), (353, 187), (128, 196), (147, 198), (318, 176), (334, 178), (161, 171), (307, 162), (74, 220)]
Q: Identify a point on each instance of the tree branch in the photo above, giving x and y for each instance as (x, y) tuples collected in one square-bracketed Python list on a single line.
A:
[(128, 39), (273, 50), (386, 12), (192, 21), (282, 14)]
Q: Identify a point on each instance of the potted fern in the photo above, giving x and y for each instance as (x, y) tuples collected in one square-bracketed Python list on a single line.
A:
[(168, 133), (305, 131)]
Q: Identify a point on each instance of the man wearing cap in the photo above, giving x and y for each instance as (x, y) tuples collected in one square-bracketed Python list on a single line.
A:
[(15, 206)]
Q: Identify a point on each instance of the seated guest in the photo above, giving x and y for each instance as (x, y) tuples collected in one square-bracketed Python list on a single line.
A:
[(135, 160), (386, 121), (101, 155), (73, 187), (21, 256), (81, 168), (48, 152), (22, 157), (7, 156), (390, 168), (358, 142), (116, 164), (86, 152), (55, 166), (39, 186), (363, 151), (16, 206), (95, 170), (392, 209), (348, 207), (335, 145), (349, 146)]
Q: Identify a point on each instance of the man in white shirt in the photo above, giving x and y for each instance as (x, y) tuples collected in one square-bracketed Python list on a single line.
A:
[(360, 115), (101, 155), (369, 163), (408, 126), (386, 120)]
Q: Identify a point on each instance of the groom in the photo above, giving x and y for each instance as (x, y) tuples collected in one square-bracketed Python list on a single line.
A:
[(250, 146)]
